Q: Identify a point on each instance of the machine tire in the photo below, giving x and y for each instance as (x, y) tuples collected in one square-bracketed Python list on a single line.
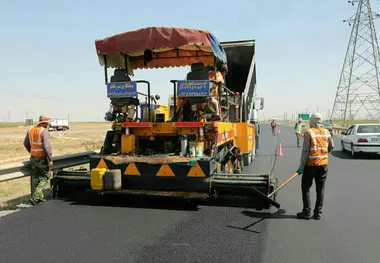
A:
[(253, 154), (353, 153), (342, 146)]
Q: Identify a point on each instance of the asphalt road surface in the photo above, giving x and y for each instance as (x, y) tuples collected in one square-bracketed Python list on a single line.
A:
[(349, 231)]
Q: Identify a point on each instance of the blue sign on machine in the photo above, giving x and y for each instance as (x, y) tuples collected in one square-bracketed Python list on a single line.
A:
[(122, 89), (193, 88)]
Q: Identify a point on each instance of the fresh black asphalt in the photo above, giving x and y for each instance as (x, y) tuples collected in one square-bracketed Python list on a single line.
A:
[(165, 231)]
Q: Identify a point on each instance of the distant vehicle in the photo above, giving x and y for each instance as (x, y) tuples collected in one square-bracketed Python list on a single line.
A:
[(361, 138), (59, 125), (328, 127)]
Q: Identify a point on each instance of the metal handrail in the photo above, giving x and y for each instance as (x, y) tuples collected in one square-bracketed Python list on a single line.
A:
[(13, 171)]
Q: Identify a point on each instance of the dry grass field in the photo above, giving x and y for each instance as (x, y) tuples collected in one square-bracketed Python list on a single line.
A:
[(81, 137)]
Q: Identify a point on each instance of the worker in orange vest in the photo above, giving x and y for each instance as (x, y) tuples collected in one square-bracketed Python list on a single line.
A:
[(317, 145), (37, 143), (217, 87)]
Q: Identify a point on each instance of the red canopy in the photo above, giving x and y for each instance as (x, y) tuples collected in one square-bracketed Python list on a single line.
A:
[(170, 46), (153, 38)]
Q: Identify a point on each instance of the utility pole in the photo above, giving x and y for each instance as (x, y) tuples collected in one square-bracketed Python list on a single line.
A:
[(358, 92)]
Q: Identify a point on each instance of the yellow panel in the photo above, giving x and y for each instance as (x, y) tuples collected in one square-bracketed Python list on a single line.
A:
[(102, 164), (163, 128), (188, 131), (128, 143), (246, 137), (242, 140), (165, 110), (226, 132), (165, 170), (132, 170), (251, 137), (196, 171), (142, 131)]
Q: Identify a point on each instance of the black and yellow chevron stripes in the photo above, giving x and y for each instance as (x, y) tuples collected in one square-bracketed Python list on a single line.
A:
[(201, 169)]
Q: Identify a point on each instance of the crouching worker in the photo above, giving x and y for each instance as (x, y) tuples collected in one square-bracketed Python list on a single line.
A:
[(37, 143)]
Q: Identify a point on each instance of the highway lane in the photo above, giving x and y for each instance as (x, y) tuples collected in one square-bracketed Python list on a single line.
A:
[(165, 232), (349, 229)]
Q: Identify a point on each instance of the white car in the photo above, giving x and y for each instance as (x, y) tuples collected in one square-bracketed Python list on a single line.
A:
[(361, 138)]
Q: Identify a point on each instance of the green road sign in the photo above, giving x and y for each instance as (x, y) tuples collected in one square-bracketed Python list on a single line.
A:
[(304, 116)]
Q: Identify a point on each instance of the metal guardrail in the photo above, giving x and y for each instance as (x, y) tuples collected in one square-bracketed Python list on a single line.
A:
[(18, 170)]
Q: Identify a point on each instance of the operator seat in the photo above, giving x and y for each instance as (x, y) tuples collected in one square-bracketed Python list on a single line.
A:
[(198, 72), (196, 105), (120, 75)]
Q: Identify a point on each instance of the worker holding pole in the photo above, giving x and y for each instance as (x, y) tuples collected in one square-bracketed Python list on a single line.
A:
[(298, 130), (37, 143), (317, 145)]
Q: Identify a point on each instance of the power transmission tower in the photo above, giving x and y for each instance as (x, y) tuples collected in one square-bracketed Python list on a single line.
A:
[(358, 93)]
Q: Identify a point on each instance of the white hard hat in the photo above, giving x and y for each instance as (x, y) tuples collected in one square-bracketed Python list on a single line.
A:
[(316, 115), (315, 118)]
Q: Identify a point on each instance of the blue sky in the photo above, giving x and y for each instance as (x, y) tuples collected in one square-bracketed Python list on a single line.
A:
[(49, 64)]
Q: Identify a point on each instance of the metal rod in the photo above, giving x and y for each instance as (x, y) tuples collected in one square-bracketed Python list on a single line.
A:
[(283, 184), (149, 98), (228, 108), (228, 90), (239, 178), (248, 175), (175, 99), (105, 69), (126, 63), (146, 95), (234, 182)]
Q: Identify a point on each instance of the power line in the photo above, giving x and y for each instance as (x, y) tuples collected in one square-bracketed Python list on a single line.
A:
[(358, 91)]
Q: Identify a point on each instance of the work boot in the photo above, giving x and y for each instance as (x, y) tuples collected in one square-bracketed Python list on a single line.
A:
[(32, 201), (303, 215), (317, 216)]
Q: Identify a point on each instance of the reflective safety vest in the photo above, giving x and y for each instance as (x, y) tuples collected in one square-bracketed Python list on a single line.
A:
[(219, 78), (319, 144), (35, 140), (298, 128)]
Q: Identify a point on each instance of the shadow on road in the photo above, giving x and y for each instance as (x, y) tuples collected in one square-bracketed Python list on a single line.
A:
[(137, 202), (346, 155), (280, 214)]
